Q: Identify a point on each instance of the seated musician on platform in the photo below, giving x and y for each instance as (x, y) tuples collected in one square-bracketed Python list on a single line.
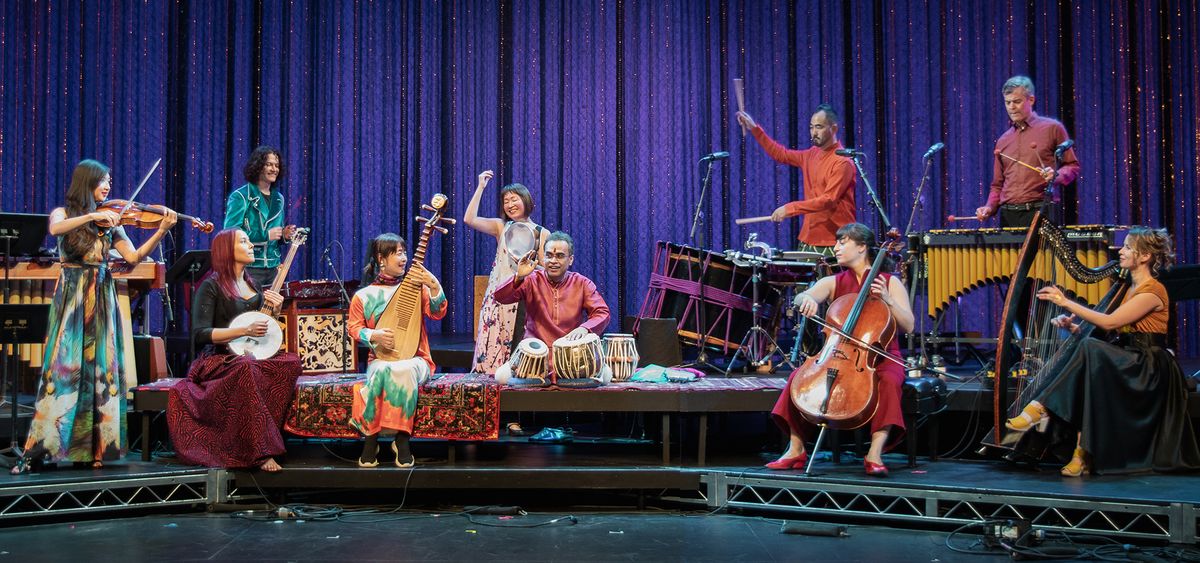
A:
[(1126, 402), (229, 411), (386, 401), (558, 303), (80, 407), (854, 252)]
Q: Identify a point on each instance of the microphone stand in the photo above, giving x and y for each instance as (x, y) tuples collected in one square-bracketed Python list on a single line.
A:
[(697, 239), (871, 191), (915, 267), (343, 306)]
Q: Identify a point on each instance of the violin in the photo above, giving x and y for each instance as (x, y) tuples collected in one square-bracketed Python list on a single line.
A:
[(838, 386), (144, 216)]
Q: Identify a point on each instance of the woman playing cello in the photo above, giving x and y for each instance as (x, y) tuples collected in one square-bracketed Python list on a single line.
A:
[(854, 254)]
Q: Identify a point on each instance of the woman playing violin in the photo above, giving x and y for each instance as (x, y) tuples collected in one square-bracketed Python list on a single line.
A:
[(1124, 402), (854, 254), (80, 406)]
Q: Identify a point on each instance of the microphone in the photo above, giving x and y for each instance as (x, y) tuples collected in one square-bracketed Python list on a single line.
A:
[(1063, 147), (852, 153), (936, 148), (719, 155), (325, 255)]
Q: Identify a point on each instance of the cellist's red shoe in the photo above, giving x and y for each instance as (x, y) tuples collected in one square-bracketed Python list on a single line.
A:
[(875, 469), (789, 462)]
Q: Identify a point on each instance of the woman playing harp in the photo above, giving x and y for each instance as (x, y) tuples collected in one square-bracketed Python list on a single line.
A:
[(1125, 401)]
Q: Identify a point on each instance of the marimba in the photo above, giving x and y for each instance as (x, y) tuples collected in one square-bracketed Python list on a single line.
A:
[(957, 261)]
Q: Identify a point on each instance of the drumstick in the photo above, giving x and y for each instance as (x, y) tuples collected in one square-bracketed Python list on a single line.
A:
[(953, 218), (739, 90), (1029, 166), (748, 220)]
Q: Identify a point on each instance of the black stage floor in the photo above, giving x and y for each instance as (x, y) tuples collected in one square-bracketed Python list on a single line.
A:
[(426, 537)]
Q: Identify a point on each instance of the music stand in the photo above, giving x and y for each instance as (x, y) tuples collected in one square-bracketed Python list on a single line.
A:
[(22, 234), (191, 266)]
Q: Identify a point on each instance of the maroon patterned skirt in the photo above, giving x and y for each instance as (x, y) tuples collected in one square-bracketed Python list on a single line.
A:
[(230, 410)]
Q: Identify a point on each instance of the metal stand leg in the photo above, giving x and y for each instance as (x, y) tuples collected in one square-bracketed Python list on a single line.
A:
[(749, 344), (812, 455)]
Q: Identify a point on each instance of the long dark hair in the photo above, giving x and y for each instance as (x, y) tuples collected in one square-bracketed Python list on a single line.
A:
[(223, 264), (381, 246), (258, 161), (81, 201)]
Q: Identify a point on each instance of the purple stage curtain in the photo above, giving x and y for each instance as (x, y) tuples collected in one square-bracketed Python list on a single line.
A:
[(602, 107)]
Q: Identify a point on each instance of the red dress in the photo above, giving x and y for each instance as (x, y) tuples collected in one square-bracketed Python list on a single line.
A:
[(891, 381)]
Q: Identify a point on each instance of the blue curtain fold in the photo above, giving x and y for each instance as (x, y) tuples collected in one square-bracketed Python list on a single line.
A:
[(602, 108)]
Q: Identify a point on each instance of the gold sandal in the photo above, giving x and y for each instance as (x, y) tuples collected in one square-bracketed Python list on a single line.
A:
[(1032, 415)]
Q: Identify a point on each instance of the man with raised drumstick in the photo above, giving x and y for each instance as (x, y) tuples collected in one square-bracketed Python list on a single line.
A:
[(828, 180), (1024, 159)]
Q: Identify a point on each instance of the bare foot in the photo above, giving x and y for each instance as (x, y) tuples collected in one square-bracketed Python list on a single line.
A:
[(270, 466), (97, 464)]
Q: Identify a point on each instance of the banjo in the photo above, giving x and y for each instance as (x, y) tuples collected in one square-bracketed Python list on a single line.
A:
[(263, 347)]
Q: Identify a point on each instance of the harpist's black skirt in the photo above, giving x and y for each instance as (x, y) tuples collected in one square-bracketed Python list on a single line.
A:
[(1128, 401)]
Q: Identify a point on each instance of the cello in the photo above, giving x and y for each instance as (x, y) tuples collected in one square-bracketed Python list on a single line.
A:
[(838, 387)]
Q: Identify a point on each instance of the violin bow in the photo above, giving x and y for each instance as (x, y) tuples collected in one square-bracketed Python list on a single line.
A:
[(140, 186)]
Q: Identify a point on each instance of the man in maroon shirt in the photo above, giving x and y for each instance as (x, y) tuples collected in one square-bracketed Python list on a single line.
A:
[(1018, 191), (828, 180), (558, 302)]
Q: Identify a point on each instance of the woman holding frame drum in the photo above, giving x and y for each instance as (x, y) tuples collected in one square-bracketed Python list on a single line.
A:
[(515, 235)]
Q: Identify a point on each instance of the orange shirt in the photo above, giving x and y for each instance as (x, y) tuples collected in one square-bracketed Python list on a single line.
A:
[(1155, 322), (828, 184)]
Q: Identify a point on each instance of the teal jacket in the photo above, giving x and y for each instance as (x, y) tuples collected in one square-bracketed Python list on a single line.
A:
[(247, 209)]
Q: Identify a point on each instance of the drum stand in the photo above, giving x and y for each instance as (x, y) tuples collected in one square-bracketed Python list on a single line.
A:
[(751, 342)]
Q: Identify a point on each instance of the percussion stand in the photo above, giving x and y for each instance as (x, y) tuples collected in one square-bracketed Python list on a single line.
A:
[(754, 337), (697, 239)]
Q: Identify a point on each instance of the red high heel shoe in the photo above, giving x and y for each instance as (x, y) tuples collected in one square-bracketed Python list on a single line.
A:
[(789, 462), (875, 469)]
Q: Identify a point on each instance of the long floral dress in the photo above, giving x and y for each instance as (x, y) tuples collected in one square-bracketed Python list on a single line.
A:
[(496, 320), (80, 406), (387, 399)]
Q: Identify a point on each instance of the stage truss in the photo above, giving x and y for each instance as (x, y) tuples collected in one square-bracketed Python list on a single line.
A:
[(180, 488), (813, 497)]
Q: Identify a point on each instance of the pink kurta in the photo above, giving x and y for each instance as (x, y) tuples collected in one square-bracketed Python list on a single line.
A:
[(554, 309)]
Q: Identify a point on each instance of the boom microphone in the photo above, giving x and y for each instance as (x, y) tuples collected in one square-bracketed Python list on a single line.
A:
[(936, 148)]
